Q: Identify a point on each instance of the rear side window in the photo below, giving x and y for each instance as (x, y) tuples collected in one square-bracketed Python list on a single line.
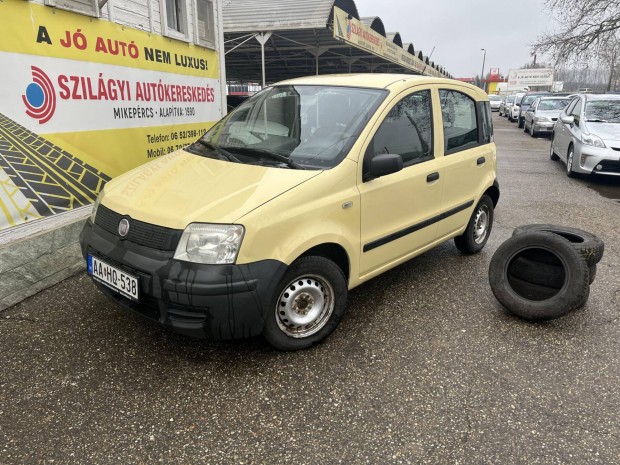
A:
[(407, 130), (486, 123), (460, 121)]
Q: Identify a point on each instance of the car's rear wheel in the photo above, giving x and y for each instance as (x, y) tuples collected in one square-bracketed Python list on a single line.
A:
[(310, 302), (552, 153), (478, 229)]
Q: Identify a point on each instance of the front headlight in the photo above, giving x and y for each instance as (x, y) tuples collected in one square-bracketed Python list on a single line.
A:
[(93, 214), (591, 139), (210, 243)]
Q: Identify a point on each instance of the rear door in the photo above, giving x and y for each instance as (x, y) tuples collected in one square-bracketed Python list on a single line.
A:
[(468, 160)]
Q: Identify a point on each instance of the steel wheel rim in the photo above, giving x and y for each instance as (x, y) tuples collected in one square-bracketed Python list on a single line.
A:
[(305, 306), (481, 224)]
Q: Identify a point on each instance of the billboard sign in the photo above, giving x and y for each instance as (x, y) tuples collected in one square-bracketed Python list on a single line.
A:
[(520, 78), (85, 101)]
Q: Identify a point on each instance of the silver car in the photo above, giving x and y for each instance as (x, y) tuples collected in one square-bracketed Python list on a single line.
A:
[(542, 114), (586, 136)]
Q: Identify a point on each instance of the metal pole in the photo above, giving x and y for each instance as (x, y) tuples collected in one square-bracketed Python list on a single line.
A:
[(482, 72)]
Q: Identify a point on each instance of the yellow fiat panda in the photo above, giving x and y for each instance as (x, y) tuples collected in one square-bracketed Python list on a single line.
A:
[(306, 190)]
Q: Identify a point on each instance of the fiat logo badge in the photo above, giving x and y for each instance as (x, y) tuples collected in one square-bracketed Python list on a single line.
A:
[(123, 227)]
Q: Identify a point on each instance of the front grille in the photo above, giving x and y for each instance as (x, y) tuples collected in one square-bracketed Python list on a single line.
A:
[(148, 235), (610, 166)]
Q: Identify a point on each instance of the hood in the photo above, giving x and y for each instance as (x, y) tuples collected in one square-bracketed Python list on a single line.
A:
[(183, 188), (609, 132)]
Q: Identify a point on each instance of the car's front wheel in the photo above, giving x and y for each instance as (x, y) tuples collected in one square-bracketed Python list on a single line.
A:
[(478, 229), (309, 303)]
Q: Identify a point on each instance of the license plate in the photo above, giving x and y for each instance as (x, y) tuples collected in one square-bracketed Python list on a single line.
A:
[(112, 277)]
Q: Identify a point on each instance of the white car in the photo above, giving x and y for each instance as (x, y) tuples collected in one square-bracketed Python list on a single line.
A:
[(513, 111), (495, 101)]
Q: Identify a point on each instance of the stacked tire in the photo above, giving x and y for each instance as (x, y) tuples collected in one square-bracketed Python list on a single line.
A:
[(544, 271)]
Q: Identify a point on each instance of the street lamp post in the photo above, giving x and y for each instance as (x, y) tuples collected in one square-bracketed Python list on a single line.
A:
[(482, 72)]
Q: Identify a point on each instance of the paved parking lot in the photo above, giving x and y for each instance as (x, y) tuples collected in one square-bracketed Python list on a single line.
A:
[(426, 366)]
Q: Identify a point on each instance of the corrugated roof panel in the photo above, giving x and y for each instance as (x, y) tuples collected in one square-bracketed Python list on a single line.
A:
[(273, 15)]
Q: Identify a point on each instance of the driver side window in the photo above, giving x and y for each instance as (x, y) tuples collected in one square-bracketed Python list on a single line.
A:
[(407, 130), (576, 112)]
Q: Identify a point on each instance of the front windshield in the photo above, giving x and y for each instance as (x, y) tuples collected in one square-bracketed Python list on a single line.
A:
[(510, 99), (518, 98), (494, 97), (529, 99), (555, 104), (300, 127), (606, 111)]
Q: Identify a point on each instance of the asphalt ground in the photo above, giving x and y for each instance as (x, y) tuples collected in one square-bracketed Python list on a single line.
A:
[(426, 367)]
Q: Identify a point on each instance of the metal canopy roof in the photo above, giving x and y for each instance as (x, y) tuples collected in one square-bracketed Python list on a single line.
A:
[(298, 41)]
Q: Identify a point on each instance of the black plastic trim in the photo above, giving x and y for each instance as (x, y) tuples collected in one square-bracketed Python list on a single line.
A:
[(416, 227)]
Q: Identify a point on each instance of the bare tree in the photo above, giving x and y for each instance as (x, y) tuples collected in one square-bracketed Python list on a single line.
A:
[(586, 28)]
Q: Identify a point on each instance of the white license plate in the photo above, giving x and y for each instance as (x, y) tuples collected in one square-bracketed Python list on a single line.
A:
[(112, 277)]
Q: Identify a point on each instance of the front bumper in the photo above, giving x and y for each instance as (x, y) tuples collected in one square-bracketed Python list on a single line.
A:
[(596, 160), (204, 301)]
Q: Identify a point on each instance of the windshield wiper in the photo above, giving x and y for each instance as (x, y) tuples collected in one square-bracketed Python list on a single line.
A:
[(223, 153), (268, 154)]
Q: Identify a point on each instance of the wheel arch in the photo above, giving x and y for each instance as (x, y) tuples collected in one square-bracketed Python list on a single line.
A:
[(493, 192), (334, 252)]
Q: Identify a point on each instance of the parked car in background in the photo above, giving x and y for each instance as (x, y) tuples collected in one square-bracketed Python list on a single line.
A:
[(507, 103), (525, 103), (584, 90), (542, 114), (586, 136), (513, 111), (495, 101)]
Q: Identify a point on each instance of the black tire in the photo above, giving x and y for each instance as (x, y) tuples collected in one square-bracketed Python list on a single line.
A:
[(525, 129), (476, 235), (543, 274), (535, 302), (521, 122), (590, 247), (292, 322), (552, 155)]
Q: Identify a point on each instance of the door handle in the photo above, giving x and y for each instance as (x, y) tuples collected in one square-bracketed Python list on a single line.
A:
[(480, 161), (432, 177)]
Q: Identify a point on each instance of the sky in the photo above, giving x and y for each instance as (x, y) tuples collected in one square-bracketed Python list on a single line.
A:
[(458, 29)]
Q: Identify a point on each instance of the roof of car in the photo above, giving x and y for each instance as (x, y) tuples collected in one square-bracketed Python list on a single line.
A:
[(372, 80), (602, 96)]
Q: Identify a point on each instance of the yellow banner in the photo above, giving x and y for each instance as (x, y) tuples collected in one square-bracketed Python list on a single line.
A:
[(85, 99), (42, 30), (358, 34)]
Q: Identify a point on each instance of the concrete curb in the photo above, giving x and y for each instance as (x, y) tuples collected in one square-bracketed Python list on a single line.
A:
[(37, 255)]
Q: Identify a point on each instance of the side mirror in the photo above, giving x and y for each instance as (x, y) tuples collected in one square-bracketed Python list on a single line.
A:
[(570, 120), (383, 164)]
